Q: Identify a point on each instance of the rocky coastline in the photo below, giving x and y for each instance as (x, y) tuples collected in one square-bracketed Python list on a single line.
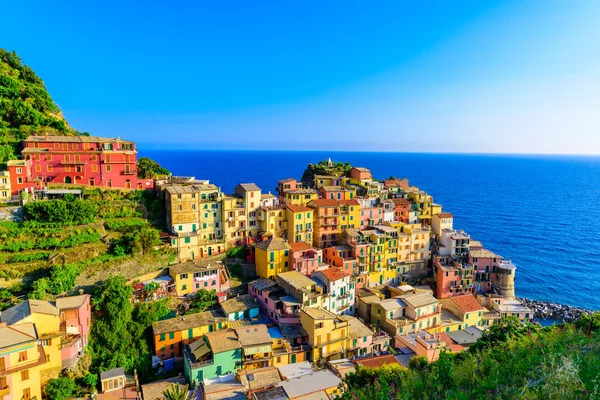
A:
[(558, 312)]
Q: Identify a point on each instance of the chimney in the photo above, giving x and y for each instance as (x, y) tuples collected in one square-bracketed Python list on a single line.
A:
[(80, 291)]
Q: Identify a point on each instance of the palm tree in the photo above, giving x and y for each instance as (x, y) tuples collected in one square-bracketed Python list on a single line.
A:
[(176, 392)]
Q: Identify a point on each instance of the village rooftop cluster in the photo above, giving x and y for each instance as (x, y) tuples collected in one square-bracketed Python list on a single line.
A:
[(350, 270)]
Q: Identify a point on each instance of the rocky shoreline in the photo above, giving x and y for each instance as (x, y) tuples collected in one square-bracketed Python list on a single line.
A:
[(559, 312)]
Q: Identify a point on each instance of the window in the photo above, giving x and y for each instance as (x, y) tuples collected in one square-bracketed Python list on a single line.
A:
[(318, 325), (94, 168), (22, 356), (183, 287), (108, 168), (19, 180), (187, 240), (171, 335), (24, 375), (19, 170), (162, 337)]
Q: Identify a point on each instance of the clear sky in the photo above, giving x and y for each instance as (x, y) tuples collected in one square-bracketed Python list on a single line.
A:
[(427, 76)]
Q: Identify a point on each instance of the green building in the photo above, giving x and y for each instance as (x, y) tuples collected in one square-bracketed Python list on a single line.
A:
[(215, 354)]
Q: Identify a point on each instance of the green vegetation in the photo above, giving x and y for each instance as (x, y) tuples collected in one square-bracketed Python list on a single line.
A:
[(67, 212), (323, 168), (237, 252), (148, 168), (176, 392), (119, 329), (60, 388), (26, 108), (512, 361), (204, 300)]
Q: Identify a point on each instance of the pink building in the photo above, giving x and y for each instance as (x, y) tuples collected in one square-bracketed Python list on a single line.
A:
[(401, 210), (306, 259), (274, 302), (371, 216), (396, 183), (75, 314), (360, 173), (485, 263), (452, 278)]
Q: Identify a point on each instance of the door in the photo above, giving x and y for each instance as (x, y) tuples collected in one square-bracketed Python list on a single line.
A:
[(27, 394), (210, 251), (68, 179), (293, 358)]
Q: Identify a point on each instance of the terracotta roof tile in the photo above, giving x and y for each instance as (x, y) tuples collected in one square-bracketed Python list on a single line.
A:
[(300, 246), (334, 273), (445, 215), (324, 202), (298, 208), (455, 348), (352, 202), (376, 362), (467, 303)]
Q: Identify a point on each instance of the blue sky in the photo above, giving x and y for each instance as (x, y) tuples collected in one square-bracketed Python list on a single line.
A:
[(430, 76)]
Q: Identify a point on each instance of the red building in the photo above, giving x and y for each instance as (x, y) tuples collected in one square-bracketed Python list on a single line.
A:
[(83, 160)]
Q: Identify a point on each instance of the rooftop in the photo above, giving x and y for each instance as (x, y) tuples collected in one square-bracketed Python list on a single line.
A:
[(275, 393), (253, 335), (262, 283), (467, 336), (298, 208), (193, 266), (310, 383), (334, 274), (418, 299), (259, 378), (273, 244), (189, 321), (249, 187), (154, 390), (319, 313), (325, 203), (357, 329), (73, 139), (467, 303), (445, 215), (295, 370), (23, 310), (112, 373), (222, 340), (70, 302), (240, 303), (17, 334), (300, 246), (292, 331), (376, 362), (296, 279), (482, 253)]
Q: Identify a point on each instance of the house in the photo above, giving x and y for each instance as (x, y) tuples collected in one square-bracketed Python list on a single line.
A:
[(272, 257), (327, 334), (376, 362), (317, 385), (299, 223), (113, 379), (212, 356), (302, 290), (84, 160), (340, 287), (300, 197), (306, 259), (22, 358), (171, 334), (467, 308), (260, 378), (273, 301), (191, 276), (452, 277), (241, 307), (5, 188), (326, 223), (360, 337), (286, 350), (295, 370), (155, 390), (75, 321), (271, 219), (257, 346)]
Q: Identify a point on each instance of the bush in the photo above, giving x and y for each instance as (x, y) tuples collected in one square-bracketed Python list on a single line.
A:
[(237, 252), (61, 211), (60, 389)]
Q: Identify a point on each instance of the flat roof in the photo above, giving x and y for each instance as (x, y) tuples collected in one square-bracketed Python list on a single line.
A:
[(240, 303), (310, 383), (222, 340), (188, 321)]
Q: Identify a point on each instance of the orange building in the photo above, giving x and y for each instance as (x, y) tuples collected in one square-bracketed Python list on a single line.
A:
[(326, 213)]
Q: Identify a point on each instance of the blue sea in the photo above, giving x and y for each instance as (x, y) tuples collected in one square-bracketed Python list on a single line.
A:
[(543, 212)]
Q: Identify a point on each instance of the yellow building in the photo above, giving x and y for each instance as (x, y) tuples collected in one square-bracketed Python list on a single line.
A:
[(349, 215), (5, 190), (424, 203), (272, 257), (327, 334), (299, 223), (240, 214), (300, 197), (303, 289), (194, 217), (466, 308), (46, 319), (272, 221), (326, 180), (21, 360)]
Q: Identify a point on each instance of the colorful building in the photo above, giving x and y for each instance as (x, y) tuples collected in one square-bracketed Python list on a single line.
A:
[(306, 259), (327, 334), (304, 290), (170, 335), (22, 358), (452, 278), (5, 188), (257, 346), (240, 307), (467, 308), (326, 213), (272, 257), (299, 223), (84, 160), (340, 287), (191, 276), (214, 356), (272, 221)]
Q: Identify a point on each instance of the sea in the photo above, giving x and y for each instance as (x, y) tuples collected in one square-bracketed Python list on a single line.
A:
[(542, 212)]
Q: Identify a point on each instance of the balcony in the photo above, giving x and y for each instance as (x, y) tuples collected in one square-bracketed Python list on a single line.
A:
[(129, 172), (72, 162)]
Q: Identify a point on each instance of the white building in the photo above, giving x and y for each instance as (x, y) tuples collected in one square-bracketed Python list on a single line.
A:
[(340, 287)]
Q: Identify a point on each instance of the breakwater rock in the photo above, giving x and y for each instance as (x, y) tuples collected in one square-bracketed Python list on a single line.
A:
[(559, 312)]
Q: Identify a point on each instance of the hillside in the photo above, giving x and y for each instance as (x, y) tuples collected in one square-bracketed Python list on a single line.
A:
[(25, 107), (325, 167), (511, 361)]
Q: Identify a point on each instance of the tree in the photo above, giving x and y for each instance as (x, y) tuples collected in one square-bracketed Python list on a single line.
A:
[(40, 288), (176, 392), (148, 168), (418, 363), (505, 328), (589, 322), (204, 299), (60, 388), (146, 238), (91, 380)]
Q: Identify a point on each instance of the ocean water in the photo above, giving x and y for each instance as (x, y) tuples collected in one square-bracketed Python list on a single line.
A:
[(543, 212)]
